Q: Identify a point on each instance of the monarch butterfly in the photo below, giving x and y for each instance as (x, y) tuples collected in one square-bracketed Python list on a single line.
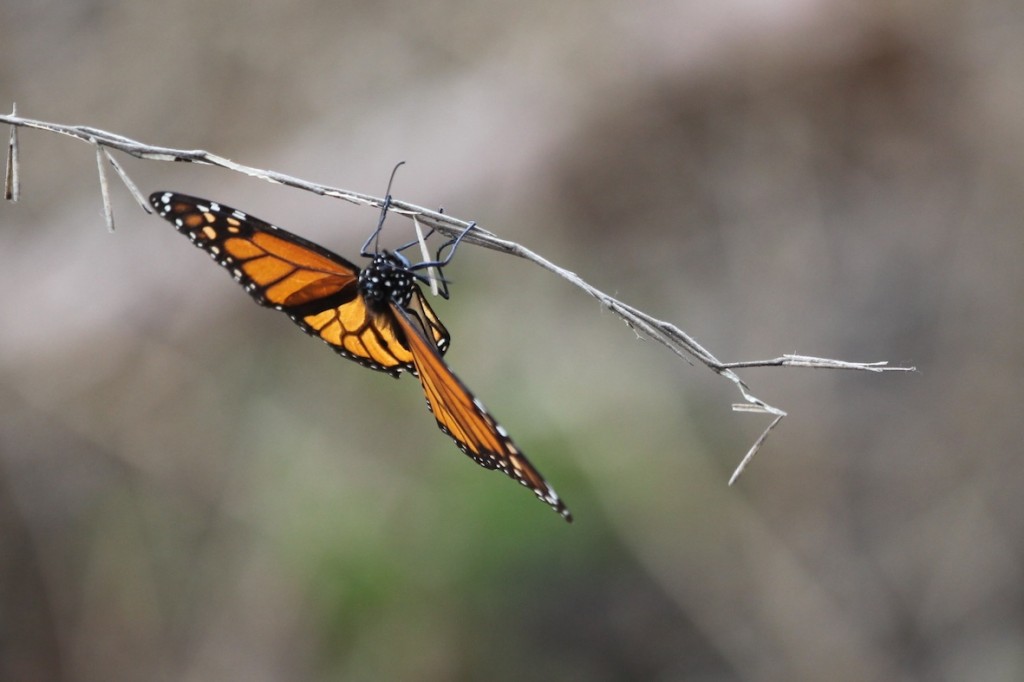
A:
[(376, 316)]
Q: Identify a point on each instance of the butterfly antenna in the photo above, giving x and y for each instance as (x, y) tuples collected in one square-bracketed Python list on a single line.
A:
[(375, 235)]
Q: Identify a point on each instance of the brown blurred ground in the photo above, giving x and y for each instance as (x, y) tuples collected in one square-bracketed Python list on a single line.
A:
[(192, 490)]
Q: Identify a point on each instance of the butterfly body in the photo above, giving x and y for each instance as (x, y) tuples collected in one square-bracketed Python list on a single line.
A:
[(376, 316)]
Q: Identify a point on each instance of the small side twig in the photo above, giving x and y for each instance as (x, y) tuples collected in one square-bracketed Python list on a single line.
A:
[(12, 182), (139, 199), (425, 255), (108, 212), (754, 448), (670, 336)]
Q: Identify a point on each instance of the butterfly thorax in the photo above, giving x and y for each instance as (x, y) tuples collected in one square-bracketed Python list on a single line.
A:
[(386, 279)]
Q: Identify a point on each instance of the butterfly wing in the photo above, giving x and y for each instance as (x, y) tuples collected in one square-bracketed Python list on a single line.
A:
[(461, 415), (318, 289), (277, 268)]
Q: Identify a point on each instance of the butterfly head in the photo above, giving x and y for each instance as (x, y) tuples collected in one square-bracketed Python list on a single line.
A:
[(387, 279)]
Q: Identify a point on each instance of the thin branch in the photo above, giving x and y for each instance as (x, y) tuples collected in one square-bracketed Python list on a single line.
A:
[(818, 363), (665, 333)]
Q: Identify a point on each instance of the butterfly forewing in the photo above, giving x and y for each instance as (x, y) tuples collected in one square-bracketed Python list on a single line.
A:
[(463, 417), (318, 289), (277, 268)]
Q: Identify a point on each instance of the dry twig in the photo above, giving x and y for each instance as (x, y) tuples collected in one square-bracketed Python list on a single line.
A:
[(673, 338)]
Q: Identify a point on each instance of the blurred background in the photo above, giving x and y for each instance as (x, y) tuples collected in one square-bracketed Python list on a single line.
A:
[(190, 489)]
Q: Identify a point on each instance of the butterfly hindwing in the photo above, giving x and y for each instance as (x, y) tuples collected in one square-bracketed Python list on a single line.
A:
[(357, 332)]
